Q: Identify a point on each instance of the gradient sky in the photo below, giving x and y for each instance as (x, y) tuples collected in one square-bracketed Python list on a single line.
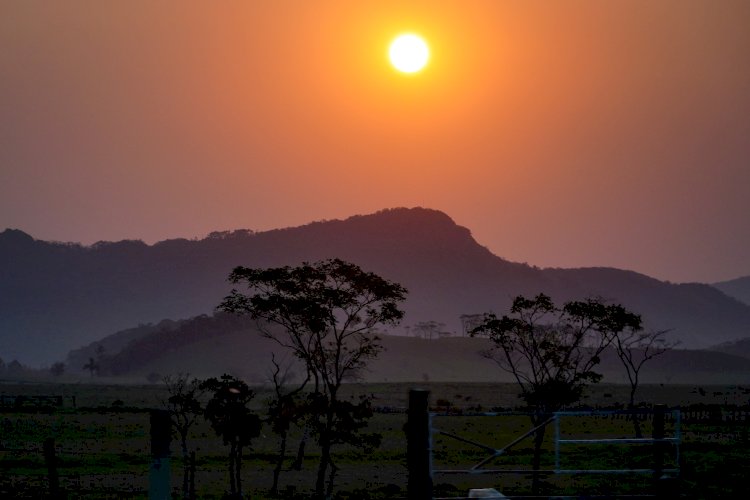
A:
[(562, 134)]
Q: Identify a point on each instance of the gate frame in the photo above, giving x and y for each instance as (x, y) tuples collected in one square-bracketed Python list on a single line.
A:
[(658, 439), (420, 432)]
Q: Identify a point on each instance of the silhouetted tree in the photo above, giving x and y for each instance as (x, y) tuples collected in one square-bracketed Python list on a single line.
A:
[(57, 369), (470, 321), (92, 366), (551, 351), (184, 408), (15, 368), (327, 311), (232, 420), (428, 329), (635, 347)]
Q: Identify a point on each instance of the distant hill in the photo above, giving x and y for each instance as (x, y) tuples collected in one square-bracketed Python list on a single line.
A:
[(738, 288), (58, 296), (210, 345), (739, 347)]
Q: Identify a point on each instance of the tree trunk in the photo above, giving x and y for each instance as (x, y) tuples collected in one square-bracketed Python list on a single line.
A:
[(297, 465), (537, 458), (636, 418), (279, 464), (232, 489), (331, 476), (325, 456), (325, 452), (238, 466), (185, 465)]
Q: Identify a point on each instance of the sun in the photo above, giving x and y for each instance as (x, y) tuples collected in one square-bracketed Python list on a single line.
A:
[(409, 53)]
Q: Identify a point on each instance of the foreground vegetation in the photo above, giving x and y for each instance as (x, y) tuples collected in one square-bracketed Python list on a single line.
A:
[(103, 449)]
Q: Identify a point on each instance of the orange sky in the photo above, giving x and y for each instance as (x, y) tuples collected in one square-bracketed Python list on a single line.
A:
[(561, 133)]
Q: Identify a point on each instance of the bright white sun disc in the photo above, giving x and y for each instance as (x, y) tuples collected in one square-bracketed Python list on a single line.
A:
[(409, 53)]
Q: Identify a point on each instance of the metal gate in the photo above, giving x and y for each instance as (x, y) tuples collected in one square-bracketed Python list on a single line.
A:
[(421, 428)]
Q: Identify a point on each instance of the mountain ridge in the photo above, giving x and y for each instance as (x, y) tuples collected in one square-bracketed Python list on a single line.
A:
[(59, 296)]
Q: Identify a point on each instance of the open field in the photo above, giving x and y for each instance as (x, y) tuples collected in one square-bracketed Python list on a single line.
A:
[(102, 444)]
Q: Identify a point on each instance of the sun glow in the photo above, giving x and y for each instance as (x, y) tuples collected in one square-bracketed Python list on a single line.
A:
[(409, 53)]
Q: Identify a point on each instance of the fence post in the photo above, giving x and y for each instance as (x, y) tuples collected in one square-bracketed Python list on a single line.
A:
[(419, 446), (51, 461), (191, 477), (160, 482), (664, 487), (658, 433)]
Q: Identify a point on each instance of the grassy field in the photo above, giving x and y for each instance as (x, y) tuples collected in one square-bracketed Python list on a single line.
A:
[(102, 445)]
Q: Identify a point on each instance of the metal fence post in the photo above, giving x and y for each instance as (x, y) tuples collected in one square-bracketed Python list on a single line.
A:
[(191, 477), (557, 442), (664, 487), (160, 481), (658, 433), (419, 446)]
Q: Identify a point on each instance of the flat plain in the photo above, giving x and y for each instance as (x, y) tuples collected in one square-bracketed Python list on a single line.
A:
[(101, 434)]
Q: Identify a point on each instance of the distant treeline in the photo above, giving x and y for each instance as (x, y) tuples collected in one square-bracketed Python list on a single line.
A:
[(153, 345)]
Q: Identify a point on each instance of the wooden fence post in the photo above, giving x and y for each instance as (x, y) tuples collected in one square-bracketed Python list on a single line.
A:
[(160, 481), (419, 446), (51, 461)]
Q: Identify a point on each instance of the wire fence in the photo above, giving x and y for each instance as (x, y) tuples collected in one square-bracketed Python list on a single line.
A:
[(106, 452)]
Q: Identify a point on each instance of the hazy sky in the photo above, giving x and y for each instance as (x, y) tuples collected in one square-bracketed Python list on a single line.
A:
[(564, 134)]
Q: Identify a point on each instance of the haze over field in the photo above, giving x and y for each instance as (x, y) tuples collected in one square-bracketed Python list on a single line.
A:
[(563, 134)]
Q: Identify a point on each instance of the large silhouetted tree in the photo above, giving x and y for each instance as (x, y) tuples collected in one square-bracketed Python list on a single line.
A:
[(551, 351), (326, 312)]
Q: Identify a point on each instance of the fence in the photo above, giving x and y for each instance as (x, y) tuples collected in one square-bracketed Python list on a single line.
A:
[(421, 430), (111, 450), (658, 441), (154, 477)]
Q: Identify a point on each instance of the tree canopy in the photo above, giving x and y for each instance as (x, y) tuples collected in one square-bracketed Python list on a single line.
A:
[(327, 310)]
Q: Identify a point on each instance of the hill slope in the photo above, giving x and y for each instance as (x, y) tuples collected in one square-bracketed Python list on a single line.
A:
[(59, 296), (211, 345), (738, 288), (739, 347)]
